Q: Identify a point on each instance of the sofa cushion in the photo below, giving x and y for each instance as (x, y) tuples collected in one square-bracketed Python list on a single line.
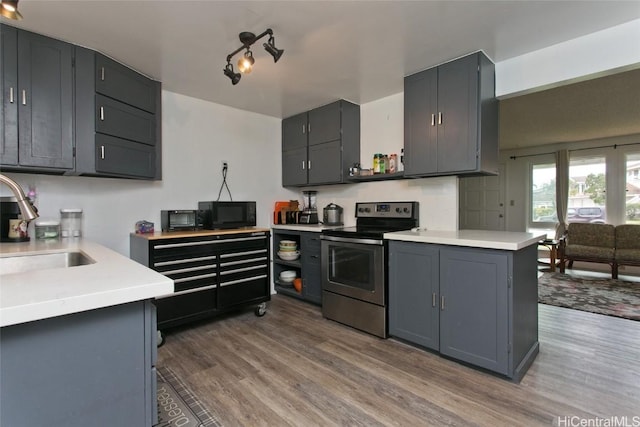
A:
[(602, 235), (585, 251), (628, 237), (624, 256)]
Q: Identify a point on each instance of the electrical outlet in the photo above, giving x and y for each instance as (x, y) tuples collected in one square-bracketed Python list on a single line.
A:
[(225, 164)]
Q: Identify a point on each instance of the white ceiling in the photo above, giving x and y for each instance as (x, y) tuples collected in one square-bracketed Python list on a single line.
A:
[(354, 50)]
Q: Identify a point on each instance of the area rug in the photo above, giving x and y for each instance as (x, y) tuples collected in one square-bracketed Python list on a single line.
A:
[(612, 297), (177, 405)]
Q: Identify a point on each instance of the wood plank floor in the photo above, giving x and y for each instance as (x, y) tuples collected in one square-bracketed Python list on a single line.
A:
[(293, 367)]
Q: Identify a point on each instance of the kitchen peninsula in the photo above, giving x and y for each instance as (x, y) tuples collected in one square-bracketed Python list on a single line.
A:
[(78, 343), (471, 295)]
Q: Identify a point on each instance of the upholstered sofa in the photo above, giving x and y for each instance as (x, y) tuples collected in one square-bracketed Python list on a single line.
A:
[(604, 243)]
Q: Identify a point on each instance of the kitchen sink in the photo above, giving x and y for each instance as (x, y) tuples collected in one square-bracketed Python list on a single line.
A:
[(24, 263)]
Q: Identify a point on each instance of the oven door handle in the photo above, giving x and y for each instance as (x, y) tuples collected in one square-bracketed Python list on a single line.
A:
[(378, 242)]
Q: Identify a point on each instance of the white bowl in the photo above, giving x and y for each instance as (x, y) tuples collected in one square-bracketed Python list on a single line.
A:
[(288, 276), (289, 256), (288, 243)]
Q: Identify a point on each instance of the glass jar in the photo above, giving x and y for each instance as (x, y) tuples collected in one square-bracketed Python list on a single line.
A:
[(71, 222), (47, 229)]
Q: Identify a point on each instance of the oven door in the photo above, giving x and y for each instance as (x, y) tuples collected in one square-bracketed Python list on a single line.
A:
[(354, 267)]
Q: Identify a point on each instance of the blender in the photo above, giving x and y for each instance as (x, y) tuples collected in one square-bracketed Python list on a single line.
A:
[(309, 213)]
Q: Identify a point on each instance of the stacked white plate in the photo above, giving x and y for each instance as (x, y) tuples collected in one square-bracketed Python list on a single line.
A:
[(288, 250)]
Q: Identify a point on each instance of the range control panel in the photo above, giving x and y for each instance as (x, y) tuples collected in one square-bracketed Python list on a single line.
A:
[(387, 210)]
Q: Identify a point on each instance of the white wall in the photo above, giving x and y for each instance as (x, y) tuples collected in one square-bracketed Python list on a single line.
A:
[(197, 136)]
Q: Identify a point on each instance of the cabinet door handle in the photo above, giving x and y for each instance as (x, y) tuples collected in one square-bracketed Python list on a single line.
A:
[(11, 95), (304, 129), (102, 73), (102, 152), (303, 164), (439, 118), (102, 114), (309, 165), (309, 128), (433, 119), (442, 303), (434, 300), (24, 97)]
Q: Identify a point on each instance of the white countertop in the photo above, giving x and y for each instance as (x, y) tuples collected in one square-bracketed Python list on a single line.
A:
[(113, 279), (505, 240)]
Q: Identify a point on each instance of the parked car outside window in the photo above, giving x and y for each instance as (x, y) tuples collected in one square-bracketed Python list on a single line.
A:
[(592, 214)]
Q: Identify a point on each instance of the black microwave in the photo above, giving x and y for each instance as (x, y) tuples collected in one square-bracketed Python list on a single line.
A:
[(215, 215), (179, 220)]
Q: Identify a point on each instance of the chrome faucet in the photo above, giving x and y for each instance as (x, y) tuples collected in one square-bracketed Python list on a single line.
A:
[(28, 211)]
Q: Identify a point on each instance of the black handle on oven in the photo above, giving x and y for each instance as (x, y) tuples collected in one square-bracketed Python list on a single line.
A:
[(353, 240)]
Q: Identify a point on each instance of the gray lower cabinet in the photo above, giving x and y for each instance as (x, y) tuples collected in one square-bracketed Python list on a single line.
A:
[(477, 306), (451, 119), (93, 368), (118, 122), (319, 146), (308, 266), (37, 102)]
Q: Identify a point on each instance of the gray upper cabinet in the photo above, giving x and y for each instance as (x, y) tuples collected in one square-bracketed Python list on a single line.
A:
[(37, 80), (118, 130), (319, 146), (451, 119)]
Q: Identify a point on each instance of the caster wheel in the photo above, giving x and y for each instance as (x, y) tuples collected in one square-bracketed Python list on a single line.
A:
[(160, 339), (261, 310)]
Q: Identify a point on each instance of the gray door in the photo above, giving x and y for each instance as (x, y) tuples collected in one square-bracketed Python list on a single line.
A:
[(324, 123), (413, 293), (115, 156), (482, 202), (457, 103), (325, 163), (311, 268), (420, 130), (294, 167), (9, 99), (45, 95), (294, 132), (474, 307)]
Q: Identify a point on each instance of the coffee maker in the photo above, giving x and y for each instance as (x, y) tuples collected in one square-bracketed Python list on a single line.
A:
[(309, 213)]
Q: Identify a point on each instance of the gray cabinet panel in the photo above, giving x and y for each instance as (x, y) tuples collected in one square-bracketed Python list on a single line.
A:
[(420, 131), (311, 268), (9, 104), (121, 157), (88, 368), (45, 101), (413, 293), (294, 167), (294, 132), (123, 121), (325, 123), (325, 163), (124, 84), (474, 307)]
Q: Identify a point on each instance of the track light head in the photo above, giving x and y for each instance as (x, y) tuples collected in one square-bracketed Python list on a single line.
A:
[(9, 9), (235, 77), (271, 48), (245, 64)]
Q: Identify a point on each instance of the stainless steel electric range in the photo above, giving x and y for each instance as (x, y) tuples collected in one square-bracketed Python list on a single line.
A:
[(354, 265)]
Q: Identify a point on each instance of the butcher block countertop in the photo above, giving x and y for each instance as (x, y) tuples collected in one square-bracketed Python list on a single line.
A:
[(505, 240), (50, 292), (197, 233)]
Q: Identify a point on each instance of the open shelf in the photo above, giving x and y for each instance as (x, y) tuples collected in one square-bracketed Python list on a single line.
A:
[(378, 177)]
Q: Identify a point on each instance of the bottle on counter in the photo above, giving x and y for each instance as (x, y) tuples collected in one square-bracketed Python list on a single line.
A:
[(400, 165), (383, 164), (376, 163), (393, 161)]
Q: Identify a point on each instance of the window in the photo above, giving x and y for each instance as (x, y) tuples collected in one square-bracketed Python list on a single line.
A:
[(632, 189), (543, 194), (587, 189)]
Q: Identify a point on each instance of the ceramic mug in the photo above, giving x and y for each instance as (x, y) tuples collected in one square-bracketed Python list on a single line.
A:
[(17, 229)]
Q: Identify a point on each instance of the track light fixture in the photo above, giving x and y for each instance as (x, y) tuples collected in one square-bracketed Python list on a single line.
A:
[(9, 9), (245, 64)]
